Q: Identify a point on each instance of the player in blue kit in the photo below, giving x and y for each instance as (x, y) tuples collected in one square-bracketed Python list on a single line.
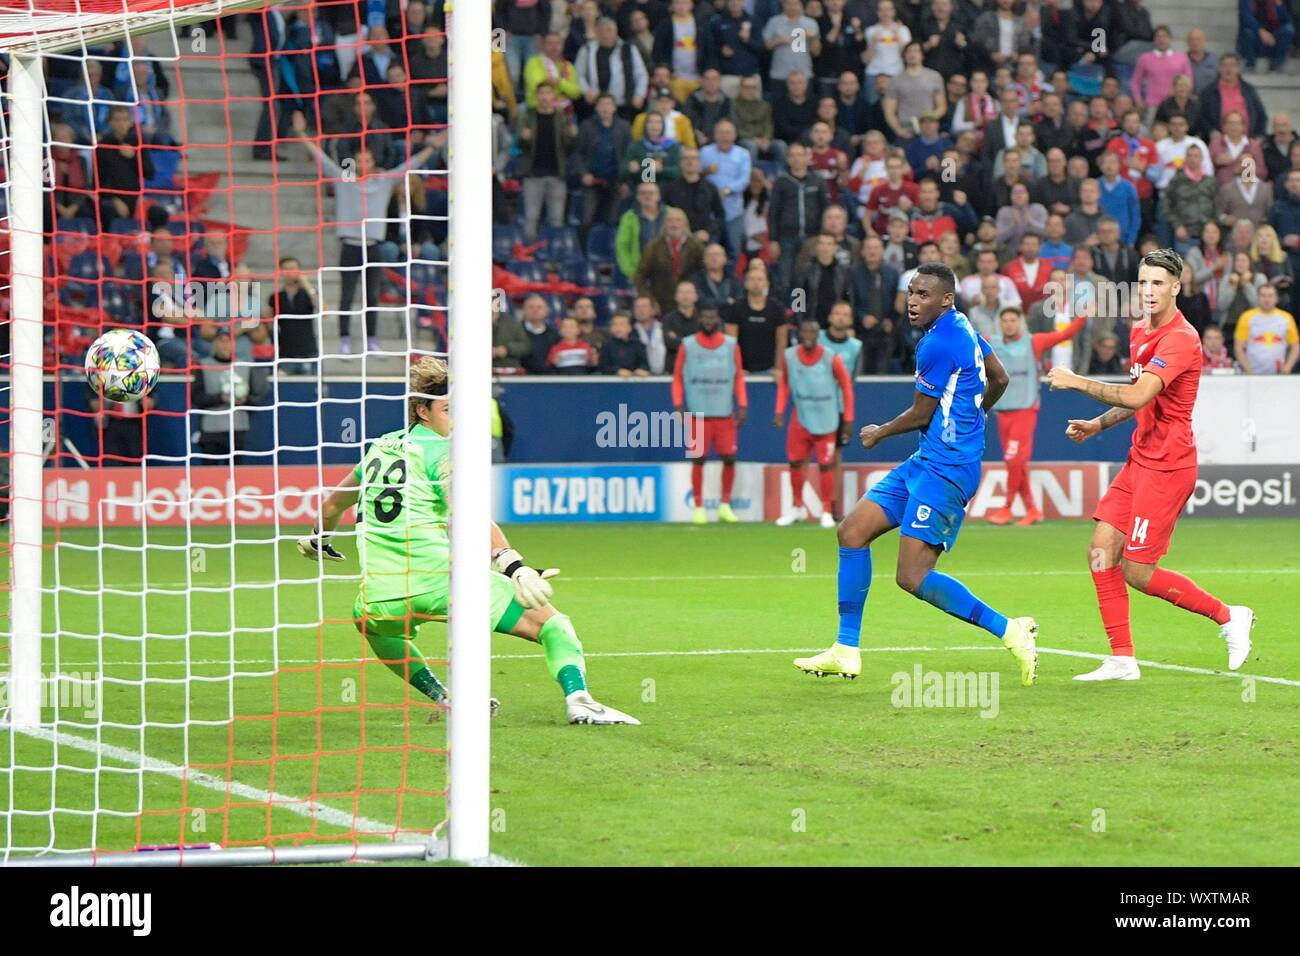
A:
[(958, 379)]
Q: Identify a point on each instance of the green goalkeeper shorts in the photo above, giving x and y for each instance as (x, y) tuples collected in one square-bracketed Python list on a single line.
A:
[(402, 617)]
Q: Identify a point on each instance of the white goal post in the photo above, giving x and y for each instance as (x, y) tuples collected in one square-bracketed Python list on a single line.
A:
[(30, 29)]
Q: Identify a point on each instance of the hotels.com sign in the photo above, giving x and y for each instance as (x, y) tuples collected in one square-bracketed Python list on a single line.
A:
[(255, 494), (1063, 490)]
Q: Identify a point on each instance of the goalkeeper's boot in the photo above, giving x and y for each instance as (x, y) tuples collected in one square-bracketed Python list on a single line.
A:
[(699, 516), (726, 515), (582, 708), (1237, 634), (794, 515), (1021, 640), (494, 708), (1113, 668), (840, 660)]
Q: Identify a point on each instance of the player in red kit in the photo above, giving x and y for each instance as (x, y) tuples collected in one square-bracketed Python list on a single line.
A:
[(1018, 409), (1136, 517), (709, 382), (823, 414)]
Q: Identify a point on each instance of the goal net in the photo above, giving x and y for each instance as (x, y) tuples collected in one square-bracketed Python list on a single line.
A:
[(266, 193)]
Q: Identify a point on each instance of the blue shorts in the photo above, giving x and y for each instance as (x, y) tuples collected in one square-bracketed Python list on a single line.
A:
[(925, 504)]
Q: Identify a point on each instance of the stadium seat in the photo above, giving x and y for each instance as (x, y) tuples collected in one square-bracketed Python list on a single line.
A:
[(600, 244), (771, 169), (561, 242), (579, 272), (606, 305), (529, 271)]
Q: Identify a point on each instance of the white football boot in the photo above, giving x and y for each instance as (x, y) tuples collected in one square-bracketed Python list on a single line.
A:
[(584, 709), (828, 520), (792, 516), (1237, 634), (1114, 668)]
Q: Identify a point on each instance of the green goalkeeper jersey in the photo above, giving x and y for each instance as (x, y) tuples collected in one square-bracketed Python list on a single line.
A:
[(402, 510)]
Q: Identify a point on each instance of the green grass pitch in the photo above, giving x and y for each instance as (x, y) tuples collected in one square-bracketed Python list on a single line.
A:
[(741, 759)]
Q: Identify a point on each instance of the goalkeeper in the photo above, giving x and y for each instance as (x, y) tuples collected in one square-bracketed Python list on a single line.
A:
[(402, 486)]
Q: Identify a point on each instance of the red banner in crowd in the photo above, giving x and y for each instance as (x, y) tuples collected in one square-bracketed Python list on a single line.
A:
[(210, 495), (1063, 489)]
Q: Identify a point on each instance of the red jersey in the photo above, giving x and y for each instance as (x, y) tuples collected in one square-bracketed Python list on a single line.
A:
[(830, 163), (1163, 440)]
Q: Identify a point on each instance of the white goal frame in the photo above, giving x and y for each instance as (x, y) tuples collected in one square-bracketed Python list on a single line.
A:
[(26, 38)]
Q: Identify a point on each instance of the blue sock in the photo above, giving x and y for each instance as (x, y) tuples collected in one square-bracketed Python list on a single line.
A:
[(854, 580), (950, 595)]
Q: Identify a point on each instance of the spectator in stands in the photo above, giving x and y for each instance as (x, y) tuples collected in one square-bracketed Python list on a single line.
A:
[(1000, 132), (121, 427), (707, 105), (71, 192), (895, 193), (546, 136), (828, 159), (728, 167), (1021, 217), (886, 39), (650, 331), (1081, 224), (365, 126), (1242, 236), (1270, 260), (843, 41), (1055, 251), (1105, 358), (524, 23), (169, 316), (1285, 220), (638, 227), (757, 321), (977, 108), (915, 90), (697, 197), (925, 150), (1277, 146), (1205, 65), (1238, 292), (799, 197), (793, 40), (671, 258), (89, 119), (1173, 149), (679, 42), (715, 283), (1214, 352), (756, 201), (677, 125), (1033, 164), (584, 310), (1087, 18), (430, 89), (1233, 154), (984, 316), (1209, 261), (548, 64), (361, 198), (1192, 302), (161, 251), (511, 345), (835, 223), (609, 65), (1154, 71), (997, 35), (755, 125), (794, 108), (294, 307), (148, 109), (900, 250), (682, 320), (1112, 257), (945, 41), (875, 284), (824, 281), (121, 168), (656, 156), (1231, 93), (571, 355), (733, 45), (1119, 197), (1182, 98), (1045, 314), (541, 335), (972, 288), (623, 354), (931, 219), (639, 35), (1267, 29), (1244, 197), (1189, 199), (1265, 337), (1028, 272), (220, 394), (603, 142)]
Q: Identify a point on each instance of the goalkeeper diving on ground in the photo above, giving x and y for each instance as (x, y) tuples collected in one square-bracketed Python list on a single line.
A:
[(402, 484)]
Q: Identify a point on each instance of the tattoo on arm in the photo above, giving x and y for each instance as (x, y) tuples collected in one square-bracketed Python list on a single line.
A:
[(1106, 392), (1115, 416)]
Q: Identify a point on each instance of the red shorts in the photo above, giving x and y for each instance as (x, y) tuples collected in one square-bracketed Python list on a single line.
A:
[(716, 434), (1016, 429), (802, 445), (1145, 504)]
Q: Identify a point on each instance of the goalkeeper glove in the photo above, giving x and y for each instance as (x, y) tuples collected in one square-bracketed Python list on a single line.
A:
[(532, 589), (317, 547)]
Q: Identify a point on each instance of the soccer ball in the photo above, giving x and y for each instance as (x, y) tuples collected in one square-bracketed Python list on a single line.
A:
[(122, 365)]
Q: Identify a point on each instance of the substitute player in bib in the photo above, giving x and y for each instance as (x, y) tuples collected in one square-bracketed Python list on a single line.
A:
[(958, 379), (817, 380), (402, 484), (709, 382), (1136, 517), (839, 338), (1018, 407)]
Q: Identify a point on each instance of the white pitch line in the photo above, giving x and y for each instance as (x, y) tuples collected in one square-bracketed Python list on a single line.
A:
[(303, 808), (718, 652)]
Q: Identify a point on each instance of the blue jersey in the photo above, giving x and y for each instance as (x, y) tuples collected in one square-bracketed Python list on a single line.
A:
[(950, 367)]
